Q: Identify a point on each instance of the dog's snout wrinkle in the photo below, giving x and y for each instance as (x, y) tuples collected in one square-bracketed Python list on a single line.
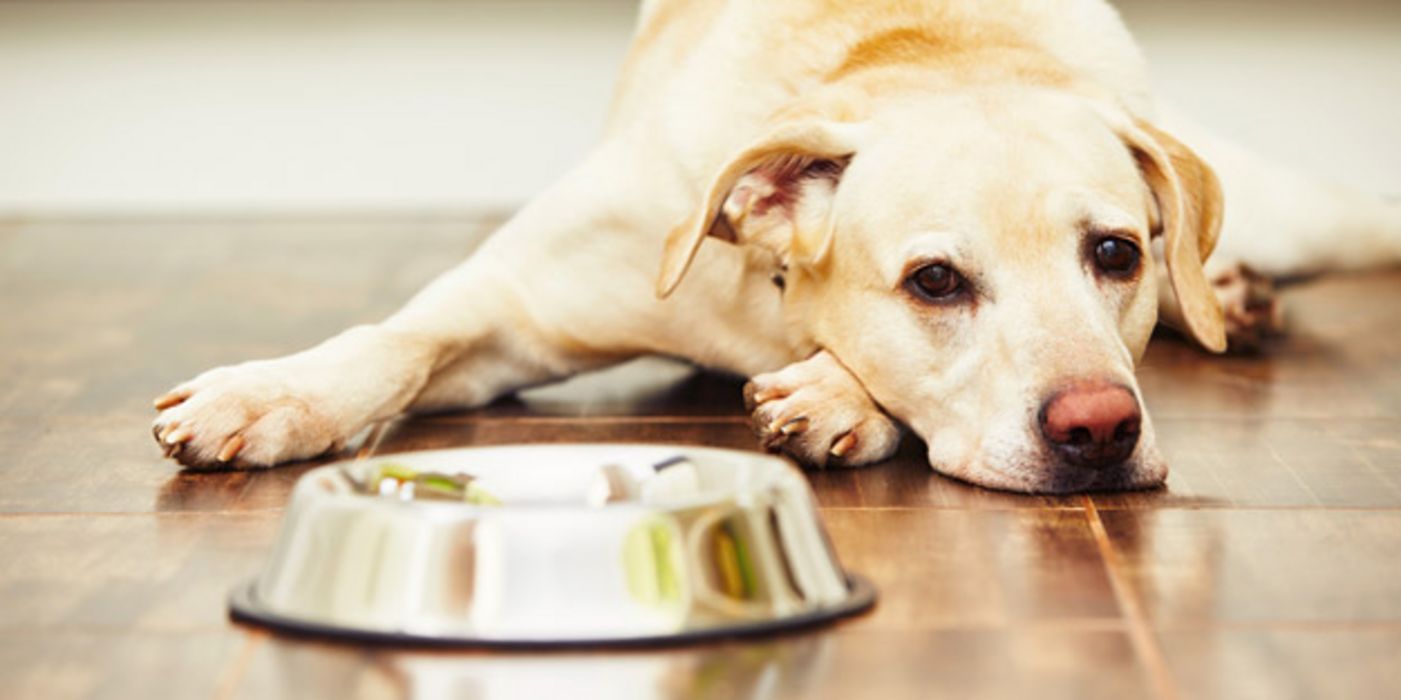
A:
[(1092, 424)]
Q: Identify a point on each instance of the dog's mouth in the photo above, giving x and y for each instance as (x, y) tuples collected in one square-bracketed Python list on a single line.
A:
[(1041, 474)]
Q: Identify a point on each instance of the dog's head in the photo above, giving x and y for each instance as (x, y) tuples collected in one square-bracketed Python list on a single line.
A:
[(984, 264)]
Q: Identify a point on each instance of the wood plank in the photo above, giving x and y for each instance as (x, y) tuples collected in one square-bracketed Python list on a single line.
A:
[(1248, 462), (1196, 568), (842, 664), (1271, 663), (61, 664), (1267, 568), (158, 574), (960, 569)]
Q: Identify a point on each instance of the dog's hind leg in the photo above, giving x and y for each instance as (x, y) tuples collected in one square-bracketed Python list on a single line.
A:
[(525, 309), (1281, 223)]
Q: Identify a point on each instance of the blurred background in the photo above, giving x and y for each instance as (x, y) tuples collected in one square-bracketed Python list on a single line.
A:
[(278, 108)]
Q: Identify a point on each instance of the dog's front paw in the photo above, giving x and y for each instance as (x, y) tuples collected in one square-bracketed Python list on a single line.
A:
[(1250, 304), (817, 413), (247, 416)]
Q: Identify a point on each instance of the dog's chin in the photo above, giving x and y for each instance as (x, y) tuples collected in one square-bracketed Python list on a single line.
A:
[(1040, 475)]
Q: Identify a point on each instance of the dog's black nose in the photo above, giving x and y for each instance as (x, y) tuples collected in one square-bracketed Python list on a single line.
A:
[(1093, 425)]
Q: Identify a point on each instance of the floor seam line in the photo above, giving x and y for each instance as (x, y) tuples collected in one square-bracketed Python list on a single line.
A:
[(1141, 636), (238, 668)]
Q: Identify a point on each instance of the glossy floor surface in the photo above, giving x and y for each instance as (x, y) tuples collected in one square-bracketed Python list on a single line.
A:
[(1270, 567)]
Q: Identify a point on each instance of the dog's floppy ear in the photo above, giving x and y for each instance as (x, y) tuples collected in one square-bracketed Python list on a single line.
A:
[(757, 196), (1190, 211)]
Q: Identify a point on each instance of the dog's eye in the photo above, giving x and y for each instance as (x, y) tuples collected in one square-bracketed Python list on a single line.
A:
[(1116, 256), (937, 282)]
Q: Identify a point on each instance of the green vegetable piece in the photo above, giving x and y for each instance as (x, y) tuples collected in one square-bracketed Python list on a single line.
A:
[(433, 485), (648, 562), (440, 486), (748, 583), (391, 470), (478, 496), (727, 564), (667, 583)]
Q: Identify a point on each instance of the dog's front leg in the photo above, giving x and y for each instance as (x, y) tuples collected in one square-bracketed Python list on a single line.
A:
[(818, 413), (565, 286), (465, 337)]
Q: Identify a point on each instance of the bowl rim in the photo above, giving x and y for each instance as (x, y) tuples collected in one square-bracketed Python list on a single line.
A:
[(706, 498), (246, 608)]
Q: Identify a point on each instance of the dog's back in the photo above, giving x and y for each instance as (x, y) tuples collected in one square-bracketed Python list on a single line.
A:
[(699, 57)]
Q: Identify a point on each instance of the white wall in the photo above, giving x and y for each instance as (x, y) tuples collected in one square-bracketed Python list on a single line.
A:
[(241, 107), (238, 107), (1313, 84)]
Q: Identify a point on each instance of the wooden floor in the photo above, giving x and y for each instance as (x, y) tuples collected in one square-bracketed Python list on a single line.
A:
[(1270, 567)]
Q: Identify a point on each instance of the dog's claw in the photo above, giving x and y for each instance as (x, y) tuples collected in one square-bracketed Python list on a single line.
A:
[(797, 425), (766, 396), (786, 426), (778, 432), (179, 435), (230, 448), (174, 398), (843, 445), (755, 397), (162, 431)]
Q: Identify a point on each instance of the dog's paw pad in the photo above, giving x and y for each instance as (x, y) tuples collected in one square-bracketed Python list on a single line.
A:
[(816, 413)]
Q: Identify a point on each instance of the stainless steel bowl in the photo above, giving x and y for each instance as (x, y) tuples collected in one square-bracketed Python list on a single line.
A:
[(552, 545)]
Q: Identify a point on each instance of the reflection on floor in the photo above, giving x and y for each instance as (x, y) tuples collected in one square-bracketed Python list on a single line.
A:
[(1268, 568)]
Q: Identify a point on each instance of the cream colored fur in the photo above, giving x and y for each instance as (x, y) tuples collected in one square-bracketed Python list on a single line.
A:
[(991, 134)]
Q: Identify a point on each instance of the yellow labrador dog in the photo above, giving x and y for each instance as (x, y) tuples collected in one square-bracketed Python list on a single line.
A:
[(963, 216)]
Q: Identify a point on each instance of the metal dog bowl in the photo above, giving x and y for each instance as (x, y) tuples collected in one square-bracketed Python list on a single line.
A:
[(550, 546)]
